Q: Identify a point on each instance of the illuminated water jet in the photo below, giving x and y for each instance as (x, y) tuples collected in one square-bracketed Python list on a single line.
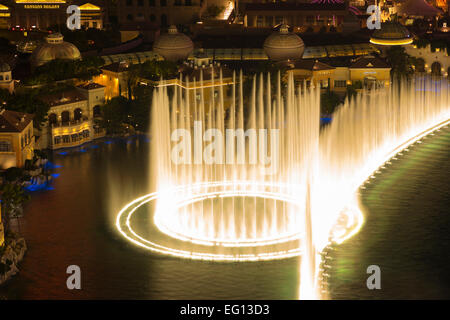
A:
[(240, 211)]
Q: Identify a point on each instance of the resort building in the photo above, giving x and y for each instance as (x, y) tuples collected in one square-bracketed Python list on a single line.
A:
[(436, 63), (16, 138), (300, 16), (41, 14), (5, 17), (91, 16), (71, 117), (114, 78), (166, 12), (367, 71)]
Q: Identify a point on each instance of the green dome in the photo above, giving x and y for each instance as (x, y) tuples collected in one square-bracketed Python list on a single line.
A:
[(54, 48)]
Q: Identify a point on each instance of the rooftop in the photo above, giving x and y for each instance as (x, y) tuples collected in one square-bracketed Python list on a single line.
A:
[(62, 98), (13, 121), (116, 67), (369, 62), (90, 86)]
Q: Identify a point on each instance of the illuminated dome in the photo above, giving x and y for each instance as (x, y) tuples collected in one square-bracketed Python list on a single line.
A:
[(391, 34), (54, 48), (173, 45), (284, 45)]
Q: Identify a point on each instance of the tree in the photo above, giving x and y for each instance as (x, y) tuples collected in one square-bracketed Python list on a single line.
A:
[(329, 101), (28, 103), (13, 199), (401, 62), (114, 115)]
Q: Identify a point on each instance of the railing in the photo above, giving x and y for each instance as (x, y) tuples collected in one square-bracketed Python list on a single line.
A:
[(69, 123)]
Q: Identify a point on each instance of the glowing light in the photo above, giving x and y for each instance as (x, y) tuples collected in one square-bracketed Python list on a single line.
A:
[(386, 42)]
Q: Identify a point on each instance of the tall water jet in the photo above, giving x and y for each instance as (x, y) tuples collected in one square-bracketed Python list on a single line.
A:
[(216, 195)]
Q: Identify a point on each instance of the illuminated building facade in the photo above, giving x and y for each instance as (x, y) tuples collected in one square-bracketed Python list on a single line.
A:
[(114, 78), (298, 15), (165, 12), (41, 14), (16, 138), (5, 17), (369, 71), (71, 117)]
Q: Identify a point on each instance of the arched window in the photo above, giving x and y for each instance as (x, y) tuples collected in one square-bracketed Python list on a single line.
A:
[(436, 69), (65, 116), (77, 113), (52, 119)]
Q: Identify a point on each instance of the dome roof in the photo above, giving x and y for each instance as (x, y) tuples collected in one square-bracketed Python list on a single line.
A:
[(4, 67), (391, 33), (54, 48), (284, 45), (173, 45)]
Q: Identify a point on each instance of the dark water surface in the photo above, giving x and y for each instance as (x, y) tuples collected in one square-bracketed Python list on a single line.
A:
[(407, 233)]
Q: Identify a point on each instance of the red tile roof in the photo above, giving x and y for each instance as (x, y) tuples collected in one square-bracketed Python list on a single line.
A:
[(13, 121)]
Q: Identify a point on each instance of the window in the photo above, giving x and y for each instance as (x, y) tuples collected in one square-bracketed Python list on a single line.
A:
[(340, 83), (86, 133), (163, 3), (129, 18), (66, 139), (309, 19), (140, 3), (74, 137), (324, 84), (188, 2), (178, 3), (129, 3), (5, 146), (57, 140), (152, 18), (151, 3)]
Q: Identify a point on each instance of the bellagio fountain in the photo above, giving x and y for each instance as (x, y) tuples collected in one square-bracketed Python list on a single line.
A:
[(259, 179)]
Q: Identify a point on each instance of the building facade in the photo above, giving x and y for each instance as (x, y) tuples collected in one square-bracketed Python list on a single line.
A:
[(16, 138), (300, 16), (41, 14), (71, 117), (367, 72)]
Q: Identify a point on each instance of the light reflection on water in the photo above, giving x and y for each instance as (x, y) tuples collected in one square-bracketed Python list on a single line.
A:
[(407, 233)]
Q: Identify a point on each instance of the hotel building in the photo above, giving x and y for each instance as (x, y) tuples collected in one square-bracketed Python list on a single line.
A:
[(71, 117), (16, 138), (41, 14)]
